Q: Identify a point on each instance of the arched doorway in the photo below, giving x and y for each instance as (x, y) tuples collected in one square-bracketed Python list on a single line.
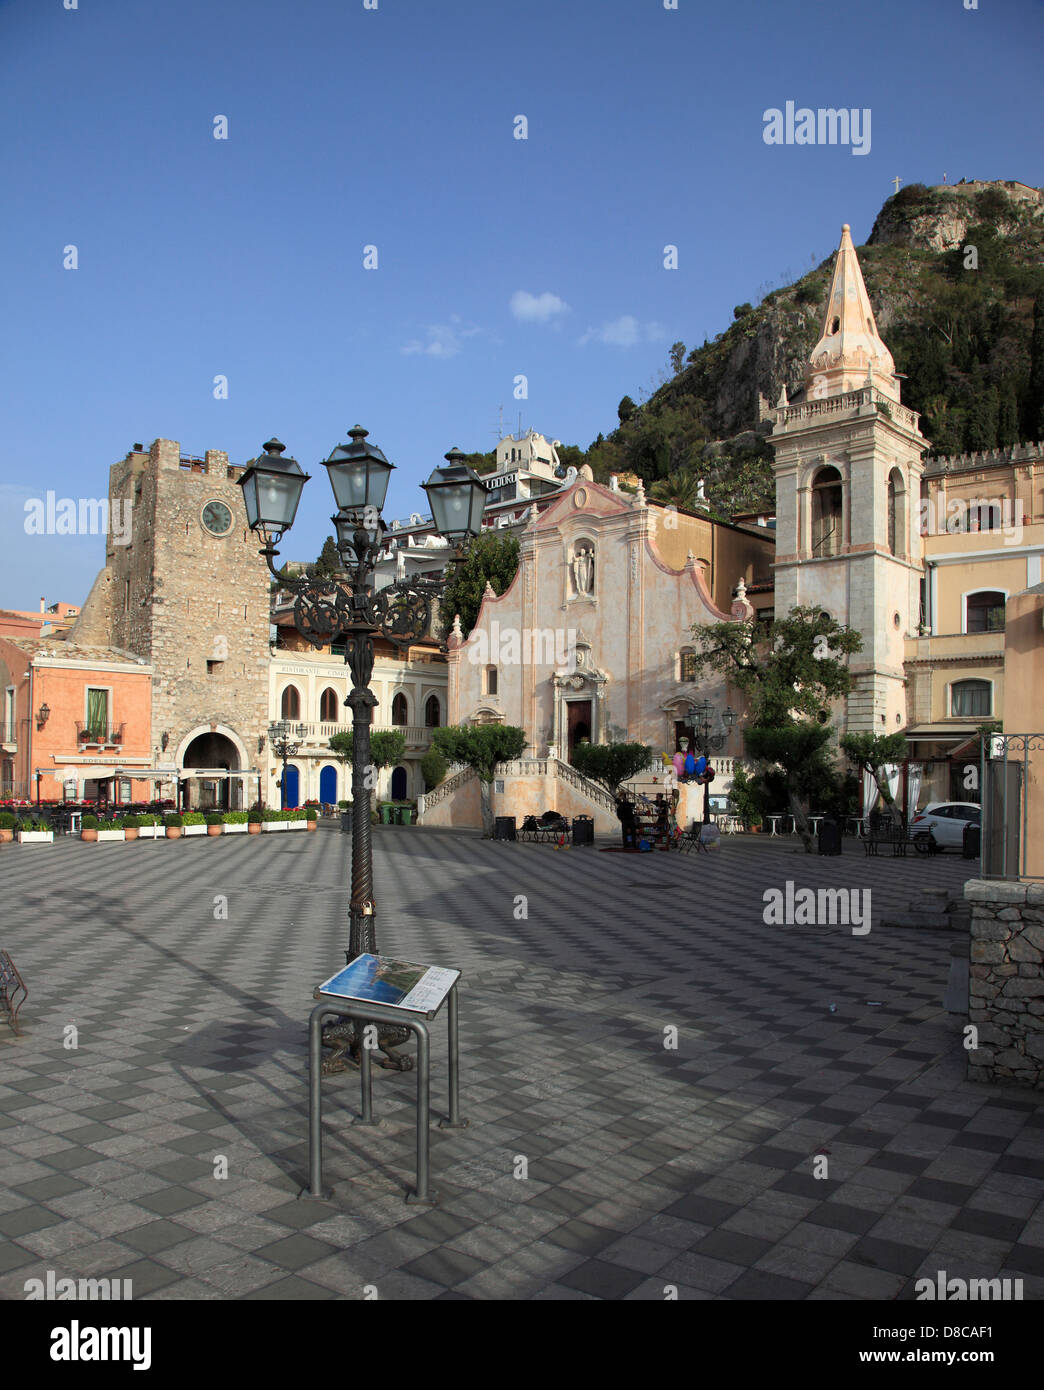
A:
[(398, 784), (328, 785), (218, 753), (579, 723), (291, 787)]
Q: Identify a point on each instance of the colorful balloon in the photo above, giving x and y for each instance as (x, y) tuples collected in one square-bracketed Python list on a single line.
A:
[(679, 763), (701, 763)]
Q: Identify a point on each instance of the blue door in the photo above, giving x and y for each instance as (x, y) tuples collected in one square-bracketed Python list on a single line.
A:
[(290, 786), (328, 785), (398, 784)]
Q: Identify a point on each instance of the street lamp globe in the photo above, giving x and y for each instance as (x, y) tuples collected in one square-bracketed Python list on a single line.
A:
[(272, 488), (458, 498), (359, 474)]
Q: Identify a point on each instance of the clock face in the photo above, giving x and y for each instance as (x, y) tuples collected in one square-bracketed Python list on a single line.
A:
[(217, 518)]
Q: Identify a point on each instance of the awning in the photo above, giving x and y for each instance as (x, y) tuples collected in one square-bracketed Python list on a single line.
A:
[(940, 733)]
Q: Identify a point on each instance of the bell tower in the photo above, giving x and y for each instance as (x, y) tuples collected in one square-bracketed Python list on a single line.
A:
[(848, 471)]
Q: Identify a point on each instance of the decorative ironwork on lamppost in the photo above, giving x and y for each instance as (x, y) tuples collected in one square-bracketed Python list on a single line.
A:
[(285, 747), (346, 608), (701, 721)]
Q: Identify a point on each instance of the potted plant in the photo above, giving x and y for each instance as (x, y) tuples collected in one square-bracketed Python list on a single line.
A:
[(236, 823), (29, 832), (194, 822), (215, 822), (8, 821), (131, 827), (150, 827), (254, 819), (275, 819), (89, 828), (311, 818), (174, 824), (296, 818), (111, 829)]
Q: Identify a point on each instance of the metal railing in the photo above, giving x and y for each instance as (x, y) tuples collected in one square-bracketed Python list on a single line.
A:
[(1006, 762)]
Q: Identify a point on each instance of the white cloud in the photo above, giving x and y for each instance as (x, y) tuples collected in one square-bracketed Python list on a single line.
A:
[(623, 332), (443, 340), (537, 308)]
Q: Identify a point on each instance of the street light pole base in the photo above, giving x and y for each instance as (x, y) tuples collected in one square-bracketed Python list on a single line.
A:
[(323, 1195), (412, 1200), (366, 1124), (454, 1124)]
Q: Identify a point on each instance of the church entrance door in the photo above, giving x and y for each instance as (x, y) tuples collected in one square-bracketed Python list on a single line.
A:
[(579, 722)]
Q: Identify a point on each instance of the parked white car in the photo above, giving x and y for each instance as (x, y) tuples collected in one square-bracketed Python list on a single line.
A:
[(946, 820)]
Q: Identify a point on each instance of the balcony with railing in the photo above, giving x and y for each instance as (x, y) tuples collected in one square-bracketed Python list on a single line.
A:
[(417, 736), (99, 736)]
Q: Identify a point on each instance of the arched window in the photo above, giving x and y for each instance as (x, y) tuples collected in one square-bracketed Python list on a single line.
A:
[(400, 713), (491, 680), (835, 326), (328, 706), (898, 521), (432, 712), (984, 611), (291, 703), (971, 699), (826, 512)]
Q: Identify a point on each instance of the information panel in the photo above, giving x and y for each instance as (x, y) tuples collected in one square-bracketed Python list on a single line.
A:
[(396, 983)]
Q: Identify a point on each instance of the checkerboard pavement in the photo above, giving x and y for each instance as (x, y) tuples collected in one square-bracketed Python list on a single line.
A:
[(646, 1165)]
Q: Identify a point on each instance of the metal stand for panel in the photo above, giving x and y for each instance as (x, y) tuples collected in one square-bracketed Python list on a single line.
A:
[(367, 1012)]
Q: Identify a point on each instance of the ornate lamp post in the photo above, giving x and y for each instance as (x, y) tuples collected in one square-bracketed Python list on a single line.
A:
[(347, 609), (284, 746), (701, 719)]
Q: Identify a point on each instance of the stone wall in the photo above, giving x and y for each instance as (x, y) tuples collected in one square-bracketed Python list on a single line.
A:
[(1006, 990)]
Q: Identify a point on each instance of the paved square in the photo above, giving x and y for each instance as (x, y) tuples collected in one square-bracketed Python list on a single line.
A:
[(599, 1162)]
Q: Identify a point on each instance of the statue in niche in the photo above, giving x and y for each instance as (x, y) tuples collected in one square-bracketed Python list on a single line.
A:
[(583, 570)]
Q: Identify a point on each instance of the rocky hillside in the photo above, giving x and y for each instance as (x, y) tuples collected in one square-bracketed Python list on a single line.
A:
[(956, 276)]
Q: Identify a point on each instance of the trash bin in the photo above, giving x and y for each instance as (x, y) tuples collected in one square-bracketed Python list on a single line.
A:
[(346, 821), (829, 836), (971, 844), (386, 813), (504, 828), (583, 830), (407, 815)]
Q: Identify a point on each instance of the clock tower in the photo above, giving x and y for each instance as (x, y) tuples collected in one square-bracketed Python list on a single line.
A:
[(188, 592)]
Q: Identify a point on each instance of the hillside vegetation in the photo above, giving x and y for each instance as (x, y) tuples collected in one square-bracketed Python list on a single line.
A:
[(956, 278)]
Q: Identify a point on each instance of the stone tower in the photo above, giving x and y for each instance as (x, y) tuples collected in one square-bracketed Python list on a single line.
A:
[(189, 593), (848, 486)]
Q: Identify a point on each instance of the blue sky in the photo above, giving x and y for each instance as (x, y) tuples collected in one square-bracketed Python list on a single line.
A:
[(497, 257)]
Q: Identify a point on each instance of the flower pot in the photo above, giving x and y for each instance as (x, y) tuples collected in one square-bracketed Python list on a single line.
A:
[(110, 835), (131, 832), (236, 829), (6, 837), (215, 829), (296, 824), (89, 834), (195, 829), (312, 824), (35, 837), (253, 827), (173, 832), (272, 825), (150, 832)]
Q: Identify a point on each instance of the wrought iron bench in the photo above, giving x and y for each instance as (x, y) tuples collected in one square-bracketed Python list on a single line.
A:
[(899, 837), (11, 984)]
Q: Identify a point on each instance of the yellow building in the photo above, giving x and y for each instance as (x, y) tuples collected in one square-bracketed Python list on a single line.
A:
[(982, 539)]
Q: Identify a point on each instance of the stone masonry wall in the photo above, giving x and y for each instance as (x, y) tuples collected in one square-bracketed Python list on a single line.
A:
[(1006, 988)]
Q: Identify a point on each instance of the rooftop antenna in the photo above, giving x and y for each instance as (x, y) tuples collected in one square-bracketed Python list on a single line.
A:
[(500, 423)]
